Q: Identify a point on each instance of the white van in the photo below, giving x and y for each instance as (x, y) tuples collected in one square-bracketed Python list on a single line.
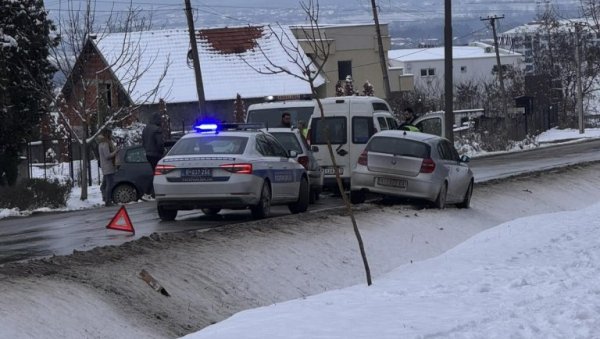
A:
[(352, 120), (270, 113)]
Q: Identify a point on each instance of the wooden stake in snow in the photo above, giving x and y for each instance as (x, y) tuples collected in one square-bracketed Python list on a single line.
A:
[(145, 276)]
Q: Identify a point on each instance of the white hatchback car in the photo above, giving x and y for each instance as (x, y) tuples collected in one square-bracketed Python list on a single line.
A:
[(234, 166), (413, 165)]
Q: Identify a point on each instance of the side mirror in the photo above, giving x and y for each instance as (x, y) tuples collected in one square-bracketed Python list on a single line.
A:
[(314, 148), (292, 154), (464, 158)]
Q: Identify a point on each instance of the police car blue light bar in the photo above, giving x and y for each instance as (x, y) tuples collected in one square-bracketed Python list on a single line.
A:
[(206, 127)]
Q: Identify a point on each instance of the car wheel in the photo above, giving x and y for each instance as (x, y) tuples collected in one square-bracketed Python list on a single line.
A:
[(124, 193), (211, 211), (303, 198), (357, 197), (466, 203), (166, 214), (440, 202), (263, 208)]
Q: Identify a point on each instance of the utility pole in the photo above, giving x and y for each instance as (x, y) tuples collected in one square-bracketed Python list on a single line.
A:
[(578, 76), (386, 82), (448, 75), (492, 20), (195, 58)]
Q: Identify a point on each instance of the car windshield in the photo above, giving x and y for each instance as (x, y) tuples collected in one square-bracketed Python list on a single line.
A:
[(399, 146), (289, 141), (272, 116), (214, 144)]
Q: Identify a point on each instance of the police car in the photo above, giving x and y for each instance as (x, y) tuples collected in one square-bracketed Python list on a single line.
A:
[(231, 166)]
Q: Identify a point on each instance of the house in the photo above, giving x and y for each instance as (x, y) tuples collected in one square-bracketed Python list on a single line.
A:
[(474, 63), (142, 69), (531, 39), (353, 51)]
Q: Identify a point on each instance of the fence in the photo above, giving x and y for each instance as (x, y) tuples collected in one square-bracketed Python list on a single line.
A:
[(51, 157)]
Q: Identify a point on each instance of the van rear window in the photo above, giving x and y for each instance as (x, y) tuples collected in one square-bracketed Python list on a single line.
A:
[(399, 146), (337, 131), (362, 129)]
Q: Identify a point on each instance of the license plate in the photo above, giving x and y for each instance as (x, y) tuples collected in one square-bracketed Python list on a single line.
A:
[(331, 170), (400, 183), (197, 174)]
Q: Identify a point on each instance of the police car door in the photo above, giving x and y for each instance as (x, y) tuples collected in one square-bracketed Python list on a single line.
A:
[(278, 166)]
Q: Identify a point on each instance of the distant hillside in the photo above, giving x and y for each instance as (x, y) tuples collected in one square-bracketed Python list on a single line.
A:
[(412, 19)]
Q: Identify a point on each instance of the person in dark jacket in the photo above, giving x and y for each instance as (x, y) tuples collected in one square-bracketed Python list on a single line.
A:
[(409, 117), (286, 120), (152, 140)]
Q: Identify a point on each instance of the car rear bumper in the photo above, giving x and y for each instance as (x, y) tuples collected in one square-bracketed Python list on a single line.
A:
[(238, 192), (191, 203), (418, 188)]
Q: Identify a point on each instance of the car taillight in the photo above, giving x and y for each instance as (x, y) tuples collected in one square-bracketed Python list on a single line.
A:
[(163, 169), (238, 168), (303, 160), (363, 159), (427, 166)]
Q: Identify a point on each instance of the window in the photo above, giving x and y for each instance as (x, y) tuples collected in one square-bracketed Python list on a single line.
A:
[(210, 145), (337, 131), (272, 116), (105, 94), (427, 72), (431, 126), (399, 146), (447, 151), (269, 147), (505, 68), (136, 155), (289, 141), (344, 69), (382, 123), (362, 129), (275, 146), (392, 123), (380, 106), (463, 69)]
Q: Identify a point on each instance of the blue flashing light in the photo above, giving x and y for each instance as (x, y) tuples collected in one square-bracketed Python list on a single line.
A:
[(206, 127)]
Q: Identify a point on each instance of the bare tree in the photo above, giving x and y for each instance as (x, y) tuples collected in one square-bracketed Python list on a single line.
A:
[(85, 103), (311, 69)]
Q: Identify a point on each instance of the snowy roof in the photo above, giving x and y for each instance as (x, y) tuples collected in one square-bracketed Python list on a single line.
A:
[(225, 55), (437, 53)]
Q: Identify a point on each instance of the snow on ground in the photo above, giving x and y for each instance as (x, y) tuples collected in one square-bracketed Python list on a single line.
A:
[(530, 277), (534, 277), (215, 273)]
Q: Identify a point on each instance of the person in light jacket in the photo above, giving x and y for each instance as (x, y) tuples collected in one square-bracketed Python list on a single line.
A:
[(107, 153)]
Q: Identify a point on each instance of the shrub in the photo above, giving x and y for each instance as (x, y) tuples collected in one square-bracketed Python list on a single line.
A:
[(30, 194)]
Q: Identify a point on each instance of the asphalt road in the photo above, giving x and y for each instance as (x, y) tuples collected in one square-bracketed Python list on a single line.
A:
[(47, 234)]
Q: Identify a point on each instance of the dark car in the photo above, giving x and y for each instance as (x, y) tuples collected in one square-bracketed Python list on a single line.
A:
[(134, 175)]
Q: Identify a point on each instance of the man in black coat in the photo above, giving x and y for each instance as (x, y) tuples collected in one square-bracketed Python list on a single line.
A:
[(152, 139)]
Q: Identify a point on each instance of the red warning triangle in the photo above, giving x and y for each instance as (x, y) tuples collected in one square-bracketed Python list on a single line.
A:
[(121, 221)]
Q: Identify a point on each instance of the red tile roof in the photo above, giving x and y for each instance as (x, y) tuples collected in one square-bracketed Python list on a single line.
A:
[(232, 40)]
